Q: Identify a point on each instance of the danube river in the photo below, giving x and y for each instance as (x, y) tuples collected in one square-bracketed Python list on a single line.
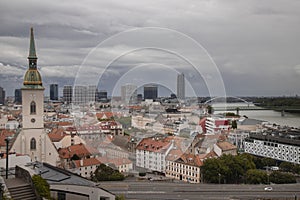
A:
[(290, 119)]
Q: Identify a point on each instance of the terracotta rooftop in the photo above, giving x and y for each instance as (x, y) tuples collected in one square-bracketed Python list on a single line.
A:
[(87, 162), (174, 154), (80, 150), (190, 159), (105, 115), (57, 134), (3, 134), (153, 145), (211, 154)]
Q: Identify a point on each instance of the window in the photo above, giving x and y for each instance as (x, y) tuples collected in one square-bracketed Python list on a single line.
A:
[(32, 108), (32, 144), (61, 196)]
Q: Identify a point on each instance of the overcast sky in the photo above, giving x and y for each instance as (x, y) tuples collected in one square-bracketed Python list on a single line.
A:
[(252, 44)]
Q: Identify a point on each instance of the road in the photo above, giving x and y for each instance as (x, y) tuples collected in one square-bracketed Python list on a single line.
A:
[(134, 190)]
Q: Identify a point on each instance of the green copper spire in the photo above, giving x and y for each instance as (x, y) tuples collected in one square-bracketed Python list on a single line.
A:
[(32, 78), (32, 53)]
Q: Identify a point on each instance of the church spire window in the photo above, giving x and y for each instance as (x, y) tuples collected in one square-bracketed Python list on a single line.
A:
[(32, 108)]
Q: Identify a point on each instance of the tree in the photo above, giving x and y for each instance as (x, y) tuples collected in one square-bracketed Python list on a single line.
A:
[(41, 186), (210, 109), (106, 173), (268, 162), (286, 166), (75, 157), (255, 176), (234, 124), (282, 178)]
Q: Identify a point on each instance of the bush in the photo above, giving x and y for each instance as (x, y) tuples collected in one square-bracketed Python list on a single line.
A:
[(41, 186), (255, 176), (142, 173), (106, 173), (282, 178)]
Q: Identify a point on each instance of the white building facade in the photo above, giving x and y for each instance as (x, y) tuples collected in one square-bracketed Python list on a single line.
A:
[(277, 148)]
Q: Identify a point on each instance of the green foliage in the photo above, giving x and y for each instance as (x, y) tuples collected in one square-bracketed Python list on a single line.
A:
[(125, 121), (290, 167), (227, 168), (230, 114), (120, 197), (278, 101), (268, 162), (75, 157), (142, 173), (106, 173), (234, 124), (41, 186), (282, 178), (210, 109), (255, 176)]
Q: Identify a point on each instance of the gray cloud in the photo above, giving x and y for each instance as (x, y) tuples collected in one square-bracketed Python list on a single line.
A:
[(253, 43)]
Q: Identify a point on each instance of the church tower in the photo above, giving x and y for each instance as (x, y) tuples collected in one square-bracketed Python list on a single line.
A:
[(33, 140), (32, 92)]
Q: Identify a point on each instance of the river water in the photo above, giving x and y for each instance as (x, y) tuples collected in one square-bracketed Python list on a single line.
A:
[(290, 119)]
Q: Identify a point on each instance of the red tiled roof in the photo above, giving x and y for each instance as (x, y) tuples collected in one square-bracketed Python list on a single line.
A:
[(211, 154), (57, 134), (105, 115), (153, 145), (87, 162), (190, 159), (80, 150), (120, 161), (3, 134)]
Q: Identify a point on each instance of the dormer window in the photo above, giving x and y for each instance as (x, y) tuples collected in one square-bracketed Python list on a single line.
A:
[(32, 108)]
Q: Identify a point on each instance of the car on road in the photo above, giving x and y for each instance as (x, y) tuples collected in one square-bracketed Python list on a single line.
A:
[(268, 188)]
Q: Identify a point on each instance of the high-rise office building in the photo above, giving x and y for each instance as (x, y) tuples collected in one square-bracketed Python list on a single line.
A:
[(67, 94), (150, 91), (84, 94), (129, 93), (18, 96), (2, 96), (102, 95), (180, 86), (91, 93), (53, 92)]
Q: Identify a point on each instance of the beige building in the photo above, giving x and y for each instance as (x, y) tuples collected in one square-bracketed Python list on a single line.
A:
[(33, 140), (186, 168), (221, 148)]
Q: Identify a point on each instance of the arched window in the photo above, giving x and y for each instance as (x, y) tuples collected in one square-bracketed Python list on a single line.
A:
[(32, 144), (32, 108)]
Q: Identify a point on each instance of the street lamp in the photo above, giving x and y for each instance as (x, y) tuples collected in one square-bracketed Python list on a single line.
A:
[(7, 139)]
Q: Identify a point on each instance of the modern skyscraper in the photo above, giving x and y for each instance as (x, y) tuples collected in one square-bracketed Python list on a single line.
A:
[(181, 87), (91, 93), (53, 92), (18, 96), (102, 96), (84, 95), (129, 93), (67, 94), (2, 96), (150, 91)]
